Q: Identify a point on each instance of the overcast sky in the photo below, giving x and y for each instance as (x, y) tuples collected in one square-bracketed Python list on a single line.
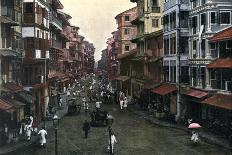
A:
[(96, 18)]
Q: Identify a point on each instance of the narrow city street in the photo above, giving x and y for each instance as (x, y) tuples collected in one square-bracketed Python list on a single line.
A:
[(134, 136)]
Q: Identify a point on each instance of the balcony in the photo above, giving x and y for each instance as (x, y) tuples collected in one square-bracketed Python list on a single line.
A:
[(55, 21), (155, 9), (29, 18)]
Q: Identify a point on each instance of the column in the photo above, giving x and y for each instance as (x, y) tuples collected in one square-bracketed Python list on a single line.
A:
[(207, 78)]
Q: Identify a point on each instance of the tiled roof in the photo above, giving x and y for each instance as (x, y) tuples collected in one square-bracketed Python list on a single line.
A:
[(219, 100), (164, 89), (221, 63), (225, 34)]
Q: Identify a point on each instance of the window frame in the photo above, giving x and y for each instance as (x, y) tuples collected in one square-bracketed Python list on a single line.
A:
[(125, 19), (155, 21), (225, 11)]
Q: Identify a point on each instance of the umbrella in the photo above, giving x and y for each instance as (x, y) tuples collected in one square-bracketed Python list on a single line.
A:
[(194, 126)]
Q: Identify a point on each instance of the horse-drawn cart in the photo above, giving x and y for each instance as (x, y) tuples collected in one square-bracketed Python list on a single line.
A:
[(100, 118), (73, 106)]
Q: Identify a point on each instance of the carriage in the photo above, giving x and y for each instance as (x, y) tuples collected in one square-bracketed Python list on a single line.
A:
[(100, 118), (73, 107)]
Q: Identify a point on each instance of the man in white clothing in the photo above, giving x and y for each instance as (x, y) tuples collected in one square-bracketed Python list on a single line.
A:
[(112, 142), (42, 134)]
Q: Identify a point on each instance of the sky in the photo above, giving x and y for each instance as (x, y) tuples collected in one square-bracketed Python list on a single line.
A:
[(96, 19)]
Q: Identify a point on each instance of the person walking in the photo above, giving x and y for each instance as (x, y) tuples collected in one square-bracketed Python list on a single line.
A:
[(112, 141), (42, 134), (86, 128)]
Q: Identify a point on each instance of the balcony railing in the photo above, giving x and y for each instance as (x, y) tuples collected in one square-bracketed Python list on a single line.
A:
[(155, 9), (55, 21)]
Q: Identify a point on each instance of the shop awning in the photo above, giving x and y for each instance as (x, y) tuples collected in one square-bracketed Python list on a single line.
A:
[(64, 80), (221, 63), (7, 20), (27, 97), (16, 104), (39, 86), (219, 100), (7, 53), (196, 93), (13, 87), (122, 78), (5, 106), (164, 89)]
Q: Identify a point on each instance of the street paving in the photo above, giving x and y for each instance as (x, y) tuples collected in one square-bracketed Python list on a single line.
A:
[(135, 136)]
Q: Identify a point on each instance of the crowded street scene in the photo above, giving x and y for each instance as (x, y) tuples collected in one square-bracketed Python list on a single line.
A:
[(125, 77)]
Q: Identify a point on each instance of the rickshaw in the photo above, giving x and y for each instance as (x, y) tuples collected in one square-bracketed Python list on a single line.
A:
[(73, 106)]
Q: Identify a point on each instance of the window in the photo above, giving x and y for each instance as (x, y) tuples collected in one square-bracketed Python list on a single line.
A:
[(37, 33), (166, 45), (203, 20), (127, 18), (155, 22), (127, 31), (229, 44), (225, 17), (154, 3), (203, 2), (29, 43), (213, 17), (194, 3), (194, 45), (213, 46), (28, 8), (127, 48)]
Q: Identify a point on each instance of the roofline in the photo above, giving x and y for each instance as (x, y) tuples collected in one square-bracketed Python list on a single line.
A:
[(120, 14)]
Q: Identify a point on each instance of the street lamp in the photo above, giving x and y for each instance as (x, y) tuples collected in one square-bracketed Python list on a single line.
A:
[(55, 124), (110, 122)]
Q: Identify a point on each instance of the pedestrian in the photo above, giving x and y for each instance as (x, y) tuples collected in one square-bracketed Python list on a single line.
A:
[(60, 102), (43, 133), (28, 129), (86, 106), (125, 102), (112, 141), (98, 106), (86, 128), (121, 102)]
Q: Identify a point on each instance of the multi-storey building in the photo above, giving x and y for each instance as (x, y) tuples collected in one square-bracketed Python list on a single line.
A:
[(12, 109), (176, 32), (207, 18), (36, 37), (149, 23), (126, 31)]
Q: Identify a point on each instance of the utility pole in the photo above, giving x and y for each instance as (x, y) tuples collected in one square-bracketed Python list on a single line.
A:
[(178, 113)]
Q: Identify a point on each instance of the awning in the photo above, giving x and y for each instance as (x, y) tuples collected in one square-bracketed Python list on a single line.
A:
[(221, 63), (219, 100), (5, 106), (164, 89), (122, 78), (196, 93), (64, 80), (38, 86), (13, 87), (26, 96), (7, 53), (7, 20), (16, 104)]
